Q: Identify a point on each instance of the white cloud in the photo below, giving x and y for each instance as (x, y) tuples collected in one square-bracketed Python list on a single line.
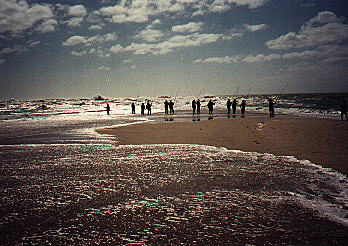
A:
[(77, 14), (74, 22), (226, 59), (156, 22), (240, 59), (198, 13), (325, 28), (99, 52), (109, 37), (2, 61), (232, 36), (17, 49), (47, 26), (75, 40), (261, 58), (189, 27), (254, 28), (187, 1), (249, 3), (323, 17), (143, 48), (77, 11), (169, 45), (139, 11), (150, 35), (219, 6), (325, 53), (60, 7), (87, 41), (117, 49), (104, 68), (78, 53), (32, 43), (307, 54), (172, 43), (18, 16), (96, 26)]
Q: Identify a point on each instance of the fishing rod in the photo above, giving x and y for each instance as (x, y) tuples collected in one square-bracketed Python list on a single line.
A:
[(236, 92), (250, 89), (172, 92), (199, 94), (154, 93), (177, 92), (284, 88)]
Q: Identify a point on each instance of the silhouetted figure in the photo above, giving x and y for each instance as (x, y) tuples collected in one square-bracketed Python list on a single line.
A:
[(166, 105), (198, 104), (234, 106), (211, 106), (133, 108), (171, 107), (148, 107), (193, 106), (271, 108), (229, 106), (142, 108), (108, 109), (242, 107), (344, 109)]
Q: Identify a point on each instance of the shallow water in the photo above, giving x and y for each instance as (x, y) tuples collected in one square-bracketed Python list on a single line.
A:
[(166, 194), (311, 105), (63, 184)]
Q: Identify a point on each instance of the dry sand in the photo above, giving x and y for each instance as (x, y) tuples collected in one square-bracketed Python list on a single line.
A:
[(323, 142)]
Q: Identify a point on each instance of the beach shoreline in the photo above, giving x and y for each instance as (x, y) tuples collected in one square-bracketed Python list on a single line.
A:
[(321, 141)]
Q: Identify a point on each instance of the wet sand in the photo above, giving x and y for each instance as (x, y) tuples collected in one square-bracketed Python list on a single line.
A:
[(323, 142)]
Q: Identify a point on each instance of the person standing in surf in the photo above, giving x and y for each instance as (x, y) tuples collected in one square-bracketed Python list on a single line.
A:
[(142, 108), (343, 109), (234, 106), (211, 106), (171, 107), (271, 108), (108, 109), (198, 103), (229, 106), (242, 107), (193, 106), (133, 108), (166, 105), (148, 107)]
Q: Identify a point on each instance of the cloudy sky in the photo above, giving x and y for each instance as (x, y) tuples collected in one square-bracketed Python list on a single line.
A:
[(80, 48)]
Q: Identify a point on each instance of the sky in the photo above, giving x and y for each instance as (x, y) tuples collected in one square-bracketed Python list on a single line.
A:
[(124, 48)]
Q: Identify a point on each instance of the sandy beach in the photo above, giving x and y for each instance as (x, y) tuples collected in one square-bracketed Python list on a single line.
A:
[(323, 142)]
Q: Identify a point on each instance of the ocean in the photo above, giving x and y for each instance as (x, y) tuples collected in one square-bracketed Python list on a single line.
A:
[(64, 184)]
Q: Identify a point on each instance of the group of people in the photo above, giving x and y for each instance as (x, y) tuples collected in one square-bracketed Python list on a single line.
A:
[(143, 107), (196, 107), (234, 106), (169, 105)]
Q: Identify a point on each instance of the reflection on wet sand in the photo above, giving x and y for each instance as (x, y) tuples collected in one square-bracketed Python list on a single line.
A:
[(160, 194)]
